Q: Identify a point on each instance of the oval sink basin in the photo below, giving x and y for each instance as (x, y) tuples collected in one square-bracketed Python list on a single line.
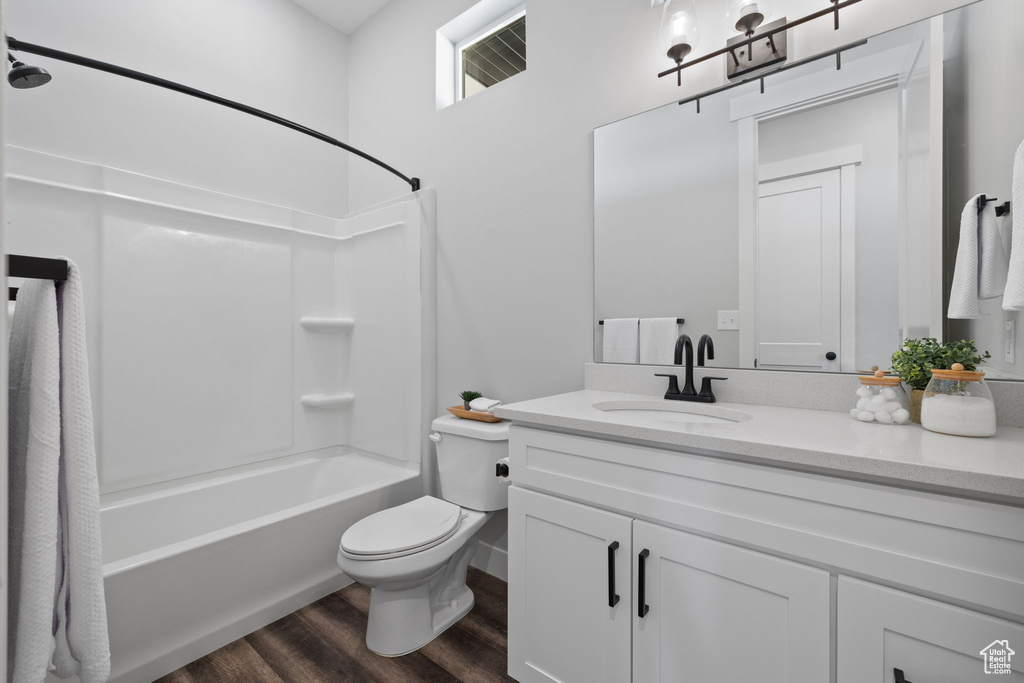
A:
[(674, 413)]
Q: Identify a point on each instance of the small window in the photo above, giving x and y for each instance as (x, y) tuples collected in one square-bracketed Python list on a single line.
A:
[(496, 53)]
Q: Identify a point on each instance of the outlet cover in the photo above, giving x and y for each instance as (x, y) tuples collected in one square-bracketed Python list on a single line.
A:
[(728, 320), (1009, 342)]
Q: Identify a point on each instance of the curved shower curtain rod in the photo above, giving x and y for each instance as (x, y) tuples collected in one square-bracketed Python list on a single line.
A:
[(17, 45)]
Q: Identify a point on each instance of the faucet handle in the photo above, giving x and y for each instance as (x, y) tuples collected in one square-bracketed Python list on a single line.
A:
[(673, 385), (705, 388)]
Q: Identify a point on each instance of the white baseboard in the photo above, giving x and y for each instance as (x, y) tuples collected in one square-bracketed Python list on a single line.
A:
[(492, 560)]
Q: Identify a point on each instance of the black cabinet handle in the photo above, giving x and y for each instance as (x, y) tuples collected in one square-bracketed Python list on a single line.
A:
[(613, 597), (500, 469), (897, 676), (831, 355), (641, 598)]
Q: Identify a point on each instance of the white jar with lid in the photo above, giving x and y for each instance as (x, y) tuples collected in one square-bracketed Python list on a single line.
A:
[(956, 401), (881, 399)]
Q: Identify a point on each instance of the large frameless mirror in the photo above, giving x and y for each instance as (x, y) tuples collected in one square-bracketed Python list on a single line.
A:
[(802, 227)]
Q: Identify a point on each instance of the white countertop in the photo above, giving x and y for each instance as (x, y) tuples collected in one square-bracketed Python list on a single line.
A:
[(991, 467)]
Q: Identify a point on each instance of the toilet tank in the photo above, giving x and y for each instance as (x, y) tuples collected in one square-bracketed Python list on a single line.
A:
[(467, 453)]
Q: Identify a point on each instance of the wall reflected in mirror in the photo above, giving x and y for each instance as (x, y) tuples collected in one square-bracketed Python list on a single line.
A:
[(814, 210)]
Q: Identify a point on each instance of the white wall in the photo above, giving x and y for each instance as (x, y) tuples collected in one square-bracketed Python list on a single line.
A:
[(513, 166), (197, 356), (268, 54), (986, 79)]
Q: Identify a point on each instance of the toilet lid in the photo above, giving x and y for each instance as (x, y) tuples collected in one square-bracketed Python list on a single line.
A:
[(418, 524)]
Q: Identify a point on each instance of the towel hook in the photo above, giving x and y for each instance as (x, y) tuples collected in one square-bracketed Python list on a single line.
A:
[(982, 200), (1003, 209)]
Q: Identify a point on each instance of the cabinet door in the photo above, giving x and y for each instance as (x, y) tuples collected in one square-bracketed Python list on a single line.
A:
[(880, 630), (717, 612), (560, 624)]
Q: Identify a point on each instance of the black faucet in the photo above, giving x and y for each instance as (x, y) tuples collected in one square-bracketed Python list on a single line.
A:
[(705, 342), (684, 343), (706, 395)]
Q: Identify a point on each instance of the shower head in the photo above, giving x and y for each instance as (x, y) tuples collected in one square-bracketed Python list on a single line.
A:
[(23, 76)]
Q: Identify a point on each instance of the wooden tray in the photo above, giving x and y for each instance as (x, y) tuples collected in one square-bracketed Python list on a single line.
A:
[(459, 411)]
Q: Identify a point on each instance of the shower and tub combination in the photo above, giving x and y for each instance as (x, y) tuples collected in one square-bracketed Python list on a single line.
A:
[(262, 378)]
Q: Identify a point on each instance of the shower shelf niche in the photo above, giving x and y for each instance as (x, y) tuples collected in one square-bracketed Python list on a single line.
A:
[(338, 400), (314, 324)]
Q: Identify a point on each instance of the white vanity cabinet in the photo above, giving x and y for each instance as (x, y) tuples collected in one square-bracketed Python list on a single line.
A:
[(582, 580), (885, 630), (715, 612), (751, 572), (570, 604)]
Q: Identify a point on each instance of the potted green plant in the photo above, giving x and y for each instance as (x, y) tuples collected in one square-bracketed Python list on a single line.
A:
[(914, 363), (468, 396)]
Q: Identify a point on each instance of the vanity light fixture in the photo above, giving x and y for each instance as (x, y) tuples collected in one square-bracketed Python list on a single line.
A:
[(747, 15), (757, 49), (680, 32)]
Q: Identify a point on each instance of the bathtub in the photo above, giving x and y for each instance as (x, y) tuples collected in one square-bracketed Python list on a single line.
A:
[(190, 569)]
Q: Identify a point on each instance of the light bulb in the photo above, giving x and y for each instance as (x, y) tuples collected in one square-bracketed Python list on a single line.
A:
[(747, 15), (680, 34)]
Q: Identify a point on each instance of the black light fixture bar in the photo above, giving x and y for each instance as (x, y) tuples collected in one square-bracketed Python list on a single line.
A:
[(808, 60), (836, 6), (19, 46)]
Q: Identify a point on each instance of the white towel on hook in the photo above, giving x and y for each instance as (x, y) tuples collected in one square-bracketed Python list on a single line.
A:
[(1013, 296), (82, 643), (34, 465), (57, 616), (981, 263), (621, 336), (658, 340), (993, 263)]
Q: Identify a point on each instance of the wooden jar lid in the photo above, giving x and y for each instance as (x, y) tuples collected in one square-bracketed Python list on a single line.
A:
[(958, 374), (880, 379)]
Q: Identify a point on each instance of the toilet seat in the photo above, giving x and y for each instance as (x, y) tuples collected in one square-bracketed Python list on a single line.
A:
[(402, 530)]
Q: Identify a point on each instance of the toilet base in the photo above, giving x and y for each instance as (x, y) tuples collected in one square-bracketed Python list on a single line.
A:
[(405, 619)]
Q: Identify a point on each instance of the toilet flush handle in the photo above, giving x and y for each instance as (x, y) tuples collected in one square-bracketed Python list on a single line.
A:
[(501, 470), (435, 437)]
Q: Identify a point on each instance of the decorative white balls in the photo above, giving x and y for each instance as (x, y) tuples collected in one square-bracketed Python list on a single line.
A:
[(879, 404)]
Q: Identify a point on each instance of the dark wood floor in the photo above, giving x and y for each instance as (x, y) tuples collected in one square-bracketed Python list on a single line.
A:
[(325, 642)]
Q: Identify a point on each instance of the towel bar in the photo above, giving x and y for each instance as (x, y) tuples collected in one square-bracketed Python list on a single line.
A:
[(36, 268), (679, 321)]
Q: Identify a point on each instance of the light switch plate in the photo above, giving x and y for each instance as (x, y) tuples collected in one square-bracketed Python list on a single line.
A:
[(1009, 342), (728, 320)]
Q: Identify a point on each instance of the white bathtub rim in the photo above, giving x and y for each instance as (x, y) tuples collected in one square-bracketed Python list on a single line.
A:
[(171, 487), (123, 565)]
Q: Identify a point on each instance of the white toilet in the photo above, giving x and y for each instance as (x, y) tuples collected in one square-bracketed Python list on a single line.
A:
[(414, 556)]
